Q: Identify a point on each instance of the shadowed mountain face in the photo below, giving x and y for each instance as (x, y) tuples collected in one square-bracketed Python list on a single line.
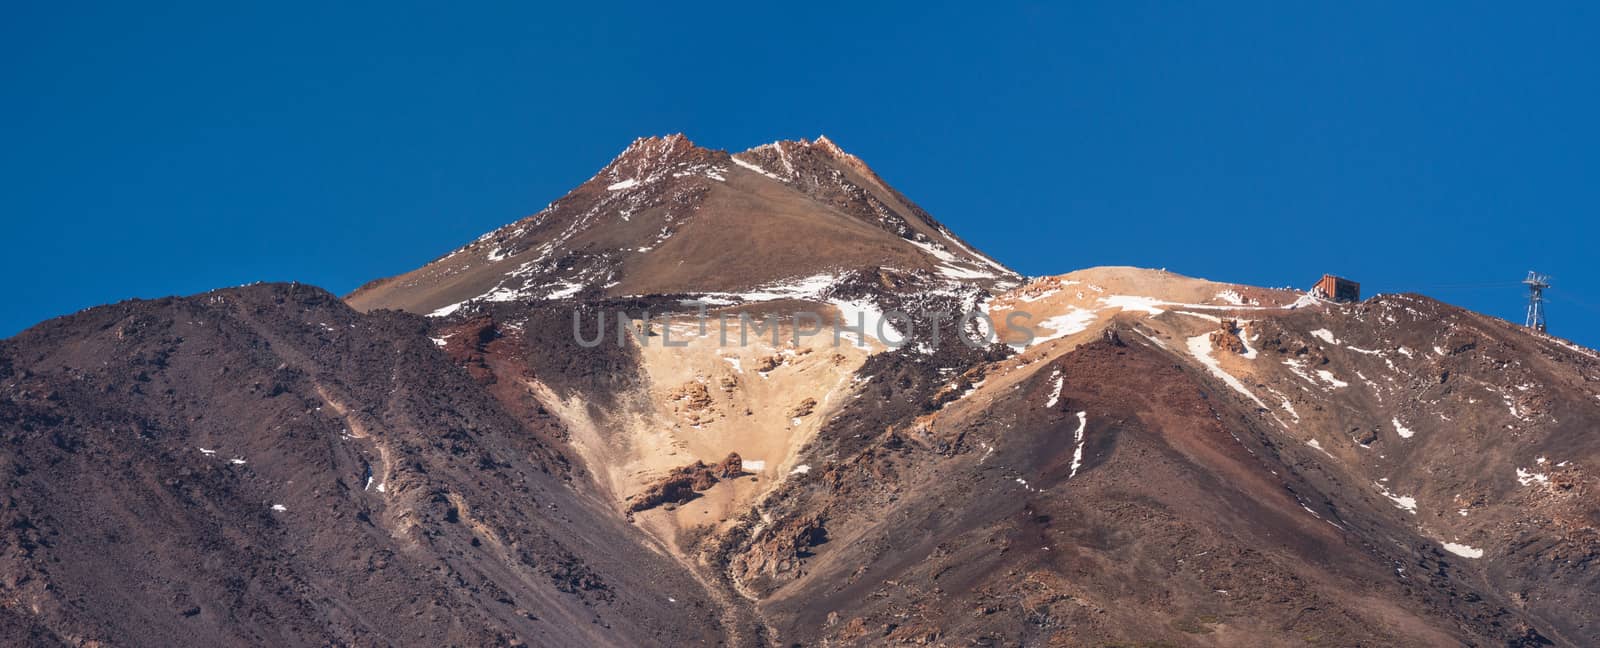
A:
[(265, 466), (1157, 460)]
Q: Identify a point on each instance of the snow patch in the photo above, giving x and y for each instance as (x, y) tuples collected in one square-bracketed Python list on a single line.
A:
[(1401, 429), (862, 312), (1055, 392), (1304, 300), (1249, 351), (1525, 477), (954, 272), (1325, 335), (1074, 321), (756, 169), (564, 290), (1329, 377), (1462, 550), (1200, 348), (1134, 303), (1400, 501), (447, 310), (1077, 453)]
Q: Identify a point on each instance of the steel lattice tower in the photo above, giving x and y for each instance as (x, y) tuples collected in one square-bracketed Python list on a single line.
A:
[(1536, 284)]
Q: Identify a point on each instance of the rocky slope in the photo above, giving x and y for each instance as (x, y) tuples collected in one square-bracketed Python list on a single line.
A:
[(1130, 458), (266, 466), (669, 216)]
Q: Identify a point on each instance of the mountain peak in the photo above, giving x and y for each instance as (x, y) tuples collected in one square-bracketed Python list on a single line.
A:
[(657, 144), (666, 216), (648, 156), (832, 148), (792, 160)]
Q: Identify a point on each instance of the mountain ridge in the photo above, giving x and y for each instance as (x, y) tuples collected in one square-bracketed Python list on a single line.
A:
[(1120, 456), (734, 221)]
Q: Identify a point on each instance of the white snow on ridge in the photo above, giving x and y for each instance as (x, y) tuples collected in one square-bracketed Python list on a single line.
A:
[(963, 273), (1135, 303), (1462, 550), (974, 253), (1304, 300), (756, 169), (625, 184), (1073, 321), (447, 310), (936, 250), (947, 267), (1569, 346), (1325, 335)]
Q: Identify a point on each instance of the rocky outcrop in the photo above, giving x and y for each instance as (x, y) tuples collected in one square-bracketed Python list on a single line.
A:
[(692, 396), (768, 363), (777, 552), (803, 408), (683, 484), (732, 466), (1226, 337)]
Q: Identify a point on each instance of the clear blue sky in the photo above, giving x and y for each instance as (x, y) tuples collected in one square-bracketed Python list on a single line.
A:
[(149, 149)]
